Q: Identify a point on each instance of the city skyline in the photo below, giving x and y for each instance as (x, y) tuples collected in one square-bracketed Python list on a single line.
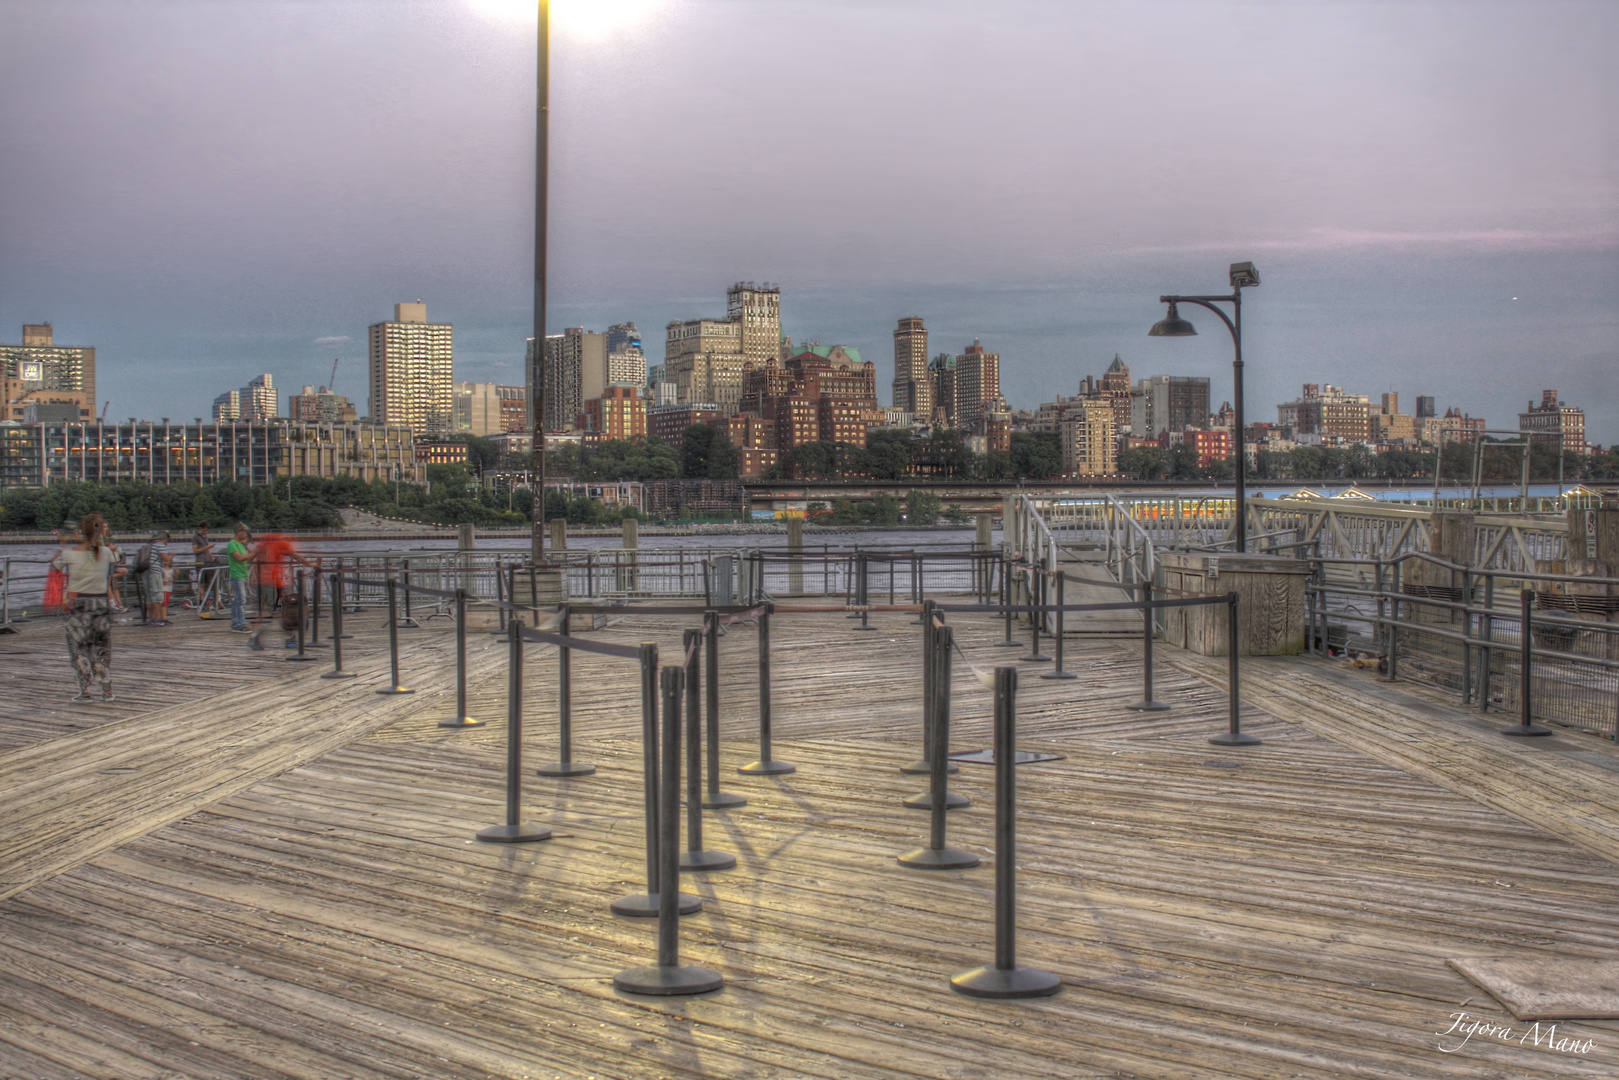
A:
[(1425, 196)]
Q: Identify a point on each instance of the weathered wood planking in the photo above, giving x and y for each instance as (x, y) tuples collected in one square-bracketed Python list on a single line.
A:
[(1284, 911)]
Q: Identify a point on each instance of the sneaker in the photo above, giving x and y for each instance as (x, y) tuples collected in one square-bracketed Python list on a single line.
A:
[(106, 695), (240, 630), (164, 622), (84, 695), (292, 643)]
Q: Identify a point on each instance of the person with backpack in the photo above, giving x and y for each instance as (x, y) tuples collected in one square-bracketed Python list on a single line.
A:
[(150, 562)]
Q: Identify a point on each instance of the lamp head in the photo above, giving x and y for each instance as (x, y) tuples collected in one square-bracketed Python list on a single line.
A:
[(1243, 275), (1173, 325)]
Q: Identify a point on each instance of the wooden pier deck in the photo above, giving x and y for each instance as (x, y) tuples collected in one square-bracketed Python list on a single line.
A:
[(275, 877)]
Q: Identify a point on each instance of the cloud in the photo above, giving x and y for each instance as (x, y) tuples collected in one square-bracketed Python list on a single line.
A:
[(331, 340)]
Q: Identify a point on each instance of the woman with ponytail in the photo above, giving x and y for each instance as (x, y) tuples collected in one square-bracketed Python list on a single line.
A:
[(89, 615)]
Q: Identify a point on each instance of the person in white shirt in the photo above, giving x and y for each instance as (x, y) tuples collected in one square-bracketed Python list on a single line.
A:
[(89, 615)]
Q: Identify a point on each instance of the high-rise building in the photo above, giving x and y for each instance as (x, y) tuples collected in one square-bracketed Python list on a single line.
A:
[(412, 381), (311, 406), (1425, 407), (228, 406), (1554, 423), (480, 408), (943, 374), (582, 364), (257, 400), (619, 413), (704, 358), (1167, 404), (978, 384), (624, 337), (1116, 388), (913, 389), (39, 364), (1328, 411), (1089, 442)]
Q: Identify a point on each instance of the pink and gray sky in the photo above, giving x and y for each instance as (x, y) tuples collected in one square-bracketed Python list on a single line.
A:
[(206, 190)]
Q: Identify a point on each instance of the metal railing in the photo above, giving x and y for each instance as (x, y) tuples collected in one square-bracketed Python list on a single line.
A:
[(1462, 628)]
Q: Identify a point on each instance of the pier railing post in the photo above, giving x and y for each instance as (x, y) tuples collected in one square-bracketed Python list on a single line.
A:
[(514, 831), (1235, 736), (669, 976), (767, 765), (460, 719), (646, 905), (695, 857), (565, 765), (337, 671), (393, 640), (1005, 978), (1526, 670), (937, 855), (1148, 631)]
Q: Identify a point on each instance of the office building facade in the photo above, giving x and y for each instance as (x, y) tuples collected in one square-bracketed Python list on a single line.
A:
[(412, 364), (913, 389), (39, 364)]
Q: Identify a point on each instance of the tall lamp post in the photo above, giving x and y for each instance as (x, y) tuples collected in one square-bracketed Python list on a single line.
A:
[(542, 146), (1243, 275)]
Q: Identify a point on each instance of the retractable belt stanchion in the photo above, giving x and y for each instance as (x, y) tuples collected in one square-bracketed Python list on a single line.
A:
[(1147, 704), (1006, 602), (514, 831), (1059, 672), (301, 656), (408, 621), (393, 640), (766, 765), (337, 671), (1526, 665), (936, 723), (1005, 978), (460, 719), (565, 766), (669, 976), (923, 766), (646, 905), (1235, 736), (695, 857), (862, 590), (938, 856), (1037, 598), (714, 798), (354, 605), (314, 609)]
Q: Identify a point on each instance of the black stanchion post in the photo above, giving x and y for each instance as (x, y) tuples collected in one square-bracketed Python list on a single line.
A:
[(936, 716), (565, 766), (767, 765), (393, 641), (408, 621), (314, 608), (695, 857), (1006, 978), (939, 798), (1037, 599), (669, 976), (1147, 704), (301, 656), (645, 905), (1235, 736), (929, 679), (460, 719), (862, 592), (1059, 671), (337, 671), (514, 831), (1006, 601), (1526, 670), (714, 798)]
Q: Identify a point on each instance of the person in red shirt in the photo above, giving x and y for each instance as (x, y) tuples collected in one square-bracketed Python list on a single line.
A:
[(273, 556)]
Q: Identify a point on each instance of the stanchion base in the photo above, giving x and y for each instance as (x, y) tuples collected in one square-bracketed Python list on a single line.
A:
[(865, 626), (460, 722), (1148, 706), (938, 859), (767, 768), (645, 905), (1059, 675), (1529, 729), (707, 860), (513, 834), (409, 624), (565, 768), (723, 800), (1036, 658), (340, 675), (1009, 644), (668, 981), (922, 768), (396, 690), (1235, 738), (302, 659), (923, 800), (990, 981)]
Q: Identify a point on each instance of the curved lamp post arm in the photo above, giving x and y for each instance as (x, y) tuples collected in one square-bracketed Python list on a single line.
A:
[(1203, 301)]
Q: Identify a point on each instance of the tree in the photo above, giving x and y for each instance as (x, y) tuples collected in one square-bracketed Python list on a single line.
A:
[(1036, 455), (1143, 463), (888, 454), (695, 443), (922, 507), (880, 510)]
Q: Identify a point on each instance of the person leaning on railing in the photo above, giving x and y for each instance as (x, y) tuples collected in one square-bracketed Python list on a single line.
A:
[(206, 568)]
